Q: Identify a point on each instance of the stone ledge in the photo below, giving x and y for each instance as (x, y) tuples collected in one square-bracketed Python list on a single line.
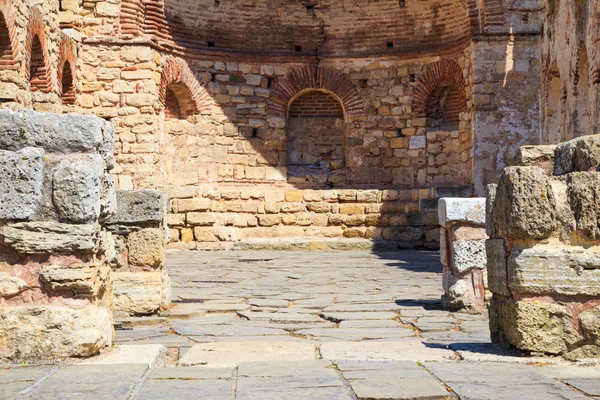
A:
[(467, 210)]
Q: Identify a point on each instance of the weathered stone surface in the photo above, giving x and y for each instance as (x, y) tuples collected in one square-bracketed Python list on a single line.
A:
[(21, 179), (147, 247), (140, 207), (554, 269), (56, 133), (580, 154), (589, 320), (82, 280), (108, 197), (137, 293), (51, 237), (405, 349), (11, 285), (496, 266), (153, 355), (524, 207), (47, 333), (490, 198), (537, 156), (468, 255), (77, 186), (470, 210), (583, 190)]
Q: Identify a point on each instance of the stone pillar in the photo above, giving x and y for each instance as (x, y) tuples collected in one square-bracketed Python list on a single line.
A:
[(462, 253), (141, 285), (55, 194), (543, 255)]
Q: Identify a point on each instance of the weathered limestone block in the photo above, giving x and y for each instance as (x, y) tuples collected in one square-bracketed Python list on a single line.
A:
[(466, 210), (35, 333), (524, 206), (490, 198), (139, 293), (11, 285), (537, 156), (57, 133), (108, 198), (147, 247), (583, 190), (82, 280), (468, 255), (555, 269), (21, 181), (140, 208), (496, 266), (77, 188), (580, 154), (589, 321), (51, 237)]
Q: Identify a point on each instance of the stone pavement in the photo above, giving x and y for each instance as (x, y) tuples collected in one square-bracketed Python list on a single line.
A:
[(305, 325)]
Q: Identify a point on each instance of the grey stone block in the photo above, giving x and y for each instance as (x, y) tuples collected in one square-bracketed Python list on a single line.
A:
[(578, 154), (537, 156), (496, 266), (21, 182), (77, 185), (468, 255), (583, 189), (490, 198), (470, 210), (57, 133), (140, 207), (51, 237)]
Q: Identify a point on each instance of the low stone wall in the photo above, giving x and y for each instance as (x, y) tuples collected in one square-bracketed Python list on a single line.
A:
[(141, 284), (544, 253), (221, 218), (462, 253), (56, 192)]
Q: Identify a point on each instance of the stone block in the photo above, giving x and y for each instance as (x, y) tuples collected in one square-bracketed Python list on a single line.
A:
[(147, 247), (589, 321), (524, 207), (140, 208), (57, 133), (537, 156), (496, 266), (468, 255), (203, 234), (200, 219), (37, 333), (51, 237), (580, 154), (469, 210), (554, 270), (79, 279), (137, 293), (583, 191), (490, 198), (21, 181), (226, 234), (197, 204), (11, 285), (77, 187), (269, 219)]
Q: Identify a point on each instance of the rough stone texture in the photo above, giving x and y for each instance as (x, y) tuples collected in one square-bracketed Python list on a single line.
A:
[(81, 280), (34, 332), (21, 179), (537, 156), (147, 247), (51, 237), (138, 293), (452, 210), (583, 190), (77, 186), (140, 207), (10, 285), (468, 255), (581, 154)]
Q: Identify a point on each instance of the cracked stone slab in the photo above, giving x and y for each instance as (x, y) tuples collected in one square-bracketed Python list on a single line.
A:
[(345, 316), (358, 333), (185, 389), (184, 311), (591, 387), (408, 349), (228, 354), (152, 355), (14, 380)]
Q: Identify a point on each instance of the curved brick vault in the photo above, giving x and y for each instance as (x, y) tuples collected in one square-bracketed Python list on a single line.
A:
[(306, 78), (35, 29), (176, 70), (9, 62), (66, 55), (442, 73)]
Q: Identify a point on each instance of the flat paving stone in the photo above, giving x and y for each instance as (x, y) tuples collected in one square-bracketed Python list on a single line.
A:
[(346, 316), (96, 382), (223, 354), (591, 387), (269, 303), (184, 311), (152, 355), (14, 380), (185, 389), (408, 349), (358, 333), (191, 373)]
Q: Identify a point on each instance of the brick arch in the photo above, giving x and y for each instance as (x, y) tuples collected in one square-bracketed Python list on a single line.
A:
[(306, 78), (35, 29), (444, 73), (8, 58), (66, 56), (178, 75)]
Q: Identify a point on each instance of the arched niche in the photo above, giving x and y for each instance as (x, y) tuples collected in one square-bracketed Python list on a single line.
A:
[(581, 118), (553, 106)]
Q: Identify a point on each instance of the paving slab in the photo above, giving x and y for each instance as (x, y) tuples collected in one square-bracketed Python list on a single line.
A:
[(191, 373), (346, 316), (152, 355), (228, 354), (184, 311), (15, 379), (408, 349), (355, 334), (591, 387), (185, 389)]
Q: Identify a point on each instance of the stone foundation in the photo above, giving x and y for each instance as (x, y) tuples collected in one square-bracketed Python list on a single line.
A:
[(544, 253), (55, 195), (462, 253), (141, 285)]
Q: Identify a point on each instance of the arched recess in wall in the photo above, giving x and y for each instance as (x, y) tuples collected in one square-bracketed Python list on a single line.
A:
[(66, 71), (582, 118), (37, 65), (552, 106), (7, 45), (180, 92), (440, 95)]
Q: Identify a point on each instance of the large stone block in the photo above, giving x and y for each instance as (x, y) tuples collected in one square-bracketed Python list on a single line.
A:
[(583, 190), (51, 237), (554, 270), (38, 334), (537, 156), (524, 207), (147, 247), (465, 210), (77, 188), (11, 285), (138, 293), (496, 266), (140, 208), (580, 154), (57, 133), (468, 255), (81, 280), (21, 182)]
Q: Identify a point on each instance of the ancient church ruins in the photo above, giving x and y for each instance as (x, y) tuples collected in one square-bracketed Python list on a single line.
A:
[(133, 127)]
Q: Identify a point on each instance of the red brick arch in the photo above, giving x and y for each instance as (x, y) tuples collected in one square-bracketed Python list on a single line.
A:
[(9, 60), (66, 55), (35, 29), (176, 70), (307, 78), (439, 74)]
